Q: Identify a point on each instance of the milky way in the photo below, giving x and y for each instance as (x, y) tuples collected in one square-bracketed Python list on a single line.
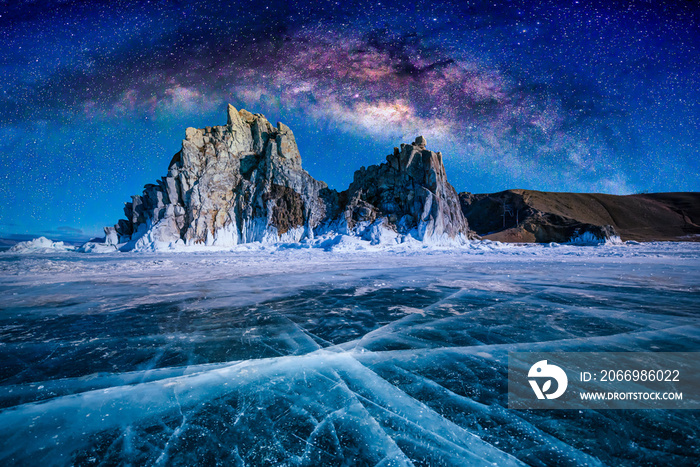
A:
[(561, 96)]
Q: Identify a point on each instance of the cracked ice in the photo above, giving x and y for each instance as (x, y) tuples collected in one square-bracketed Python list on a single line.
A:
[(303, 357)]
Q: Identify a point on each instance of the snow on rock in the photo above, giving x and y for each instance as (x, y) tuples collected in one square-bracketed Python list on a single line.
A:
[(380, 232)]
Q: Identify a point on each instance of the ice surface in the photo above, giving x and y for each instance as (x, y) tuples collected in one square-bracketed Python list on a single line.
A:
[(332, 352)]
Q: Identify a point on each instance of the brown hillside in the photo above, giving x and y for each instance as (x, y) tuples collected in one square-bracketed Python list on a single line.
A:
[(547, 216)]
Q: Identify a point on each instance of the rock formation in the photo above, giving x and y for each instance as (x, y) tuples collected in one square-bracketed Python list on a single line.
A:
[(237, 183), (243, 182), (409, 194)]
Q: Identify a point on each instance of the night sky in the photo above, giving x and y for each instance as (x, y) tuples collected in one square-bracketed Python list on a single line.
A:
[(585, 96)]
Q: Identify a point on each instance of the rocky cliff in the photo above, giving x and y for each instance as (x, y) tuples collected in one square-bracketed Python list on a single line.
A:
[(243, 182), (409, 193), (237, 183)]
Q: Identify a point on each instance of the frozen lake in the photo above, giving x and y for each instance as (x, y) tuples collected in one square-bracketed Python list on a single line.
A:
[(284, 356)]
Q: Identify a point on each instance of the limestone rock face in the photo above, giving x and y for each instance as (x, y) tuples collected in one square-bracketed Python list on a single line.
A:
[(231, 184), (410, 190)]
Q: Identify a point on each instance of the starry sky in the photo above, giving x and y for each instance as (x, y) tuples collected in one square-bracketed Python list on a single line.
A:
[(582, 96)]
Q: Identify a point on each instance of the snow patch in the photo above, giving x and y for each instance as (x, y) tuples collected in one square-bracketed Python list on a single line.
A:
[(93, 247), (40, 245), (379, 233)]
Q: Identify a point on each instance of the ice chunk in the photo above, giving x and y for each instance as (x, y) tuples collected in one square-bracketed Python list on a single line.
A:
[(40, 245)]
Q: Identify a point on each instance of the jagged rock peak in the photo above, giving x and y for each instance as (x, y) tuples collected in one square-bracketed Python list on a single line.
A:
[(229, 184), (411, 192), (234, 117)]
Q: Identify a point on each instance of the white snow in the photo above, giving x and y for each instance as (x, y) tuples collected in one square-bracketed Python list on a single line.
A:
[(40, 245), (374, 237)]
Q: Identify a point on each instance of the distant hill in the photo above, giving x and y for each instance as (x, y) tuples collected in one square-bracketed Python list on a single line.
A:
[(536, 216)]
